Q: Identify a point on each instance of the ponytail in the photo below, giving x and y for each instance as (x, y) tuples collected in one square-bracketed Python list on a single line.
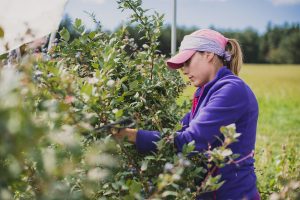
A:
[(235, 64)]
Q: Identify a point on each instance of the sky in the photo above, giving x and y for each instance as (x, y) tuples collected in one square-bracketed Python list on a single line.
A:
[(222, 14)]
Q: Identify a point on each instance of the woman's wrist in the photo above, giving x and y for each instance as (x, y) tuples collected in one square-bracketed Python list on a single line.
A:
[(128, 133)]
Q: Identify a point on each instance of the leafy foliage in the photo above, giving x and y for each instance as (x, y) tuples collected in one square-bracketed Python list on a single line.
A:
[(280, 176), (51, 108)]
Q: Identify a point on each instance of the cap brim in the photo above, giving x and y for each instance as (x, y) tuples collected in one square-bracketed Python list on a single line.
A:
[(179, 59)]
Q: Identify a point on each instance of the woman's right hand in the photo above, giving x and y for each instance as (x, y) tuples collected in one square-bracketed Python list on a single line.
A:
[(123, 133)]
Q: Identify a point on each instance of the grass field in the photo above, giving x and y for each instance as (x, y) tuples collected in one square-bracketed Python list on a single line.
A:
[(277, 88)]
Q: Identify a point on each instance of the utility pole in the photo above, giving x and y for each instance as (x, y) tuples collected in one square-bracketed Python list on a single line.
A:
[(173, 31)]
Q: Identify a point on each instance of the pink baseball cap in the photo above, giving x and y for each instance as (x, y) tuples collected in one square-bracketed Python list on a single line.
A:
[(201, 40)]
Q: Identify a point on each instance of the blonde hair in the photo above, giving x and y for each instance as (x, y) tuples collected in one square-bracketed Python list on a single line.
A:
[(235, 64)]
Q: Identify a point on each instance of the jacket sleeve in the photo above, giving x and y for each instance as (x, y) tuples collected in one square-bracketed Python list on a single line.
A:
[(145, 140), (226, 105)]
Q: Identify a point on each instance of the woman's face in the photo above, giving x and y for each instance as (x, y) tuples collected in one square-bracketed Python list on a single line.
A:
[(199, 68)]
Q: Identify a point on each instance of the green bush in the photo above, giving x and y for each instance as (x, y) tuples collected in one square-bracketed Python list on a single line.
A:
[(52, 109)]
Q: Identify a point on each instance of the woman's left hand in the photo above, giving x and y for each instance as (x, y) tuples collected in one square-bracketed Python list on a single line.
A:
[(128, 133)]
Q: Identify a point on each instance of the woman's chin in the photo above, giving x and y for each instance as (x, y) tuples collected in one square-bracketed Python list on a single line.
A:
[(196, 84)]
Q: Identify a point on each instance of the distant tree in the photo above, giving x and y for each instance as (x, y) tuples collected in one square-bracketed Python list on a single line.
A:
[(165, 38), (280, 44), (249, 41), (287, 51)]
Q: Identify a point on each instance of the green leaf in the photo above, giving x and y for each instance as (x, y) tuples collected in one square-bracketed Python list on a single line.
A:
[(120, 99), (169, 193), (133, 85), (144, 165), (64, 33), (109, 192), (188, 148), (119, 113), (160, 144), (1, 32), (150, 157), (124, 88), (95, 65), (92, 35), (78, 23), (134, 188), (87, 89), (125, 78), (178, 126), (226, 152), (115, 186)]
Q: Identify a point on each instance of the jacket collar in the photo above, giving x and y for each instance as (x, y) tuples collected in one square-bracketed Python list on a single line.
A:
[(222, 72)]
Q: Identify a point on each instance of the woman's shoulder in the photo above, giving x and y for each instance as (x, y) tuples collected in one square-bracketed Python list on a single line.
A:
[(235, 88), (231, 82)]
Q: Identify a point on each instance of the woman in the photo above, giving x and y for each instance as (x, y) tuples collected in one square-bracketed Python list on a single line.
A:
[(212, 63)]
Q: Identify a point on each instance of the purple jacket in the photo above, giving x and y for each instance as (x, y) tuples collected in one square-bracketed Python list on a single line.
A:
[(223, 101)]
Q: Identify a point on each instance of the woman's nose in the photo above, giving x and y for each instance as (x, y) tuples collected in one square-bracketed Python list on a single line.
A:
[(184, 70)]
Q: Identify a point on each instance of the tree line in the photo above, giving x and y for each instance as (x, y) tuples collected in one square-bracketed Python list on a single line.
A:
[(279, 44)]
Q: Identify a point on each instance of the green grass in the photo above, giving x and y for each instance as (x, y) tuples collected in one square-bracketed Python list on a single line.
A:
[(277, 88)]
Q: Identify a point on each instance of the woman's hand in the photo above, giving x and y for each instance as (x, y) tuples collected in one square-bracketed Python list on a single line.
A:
[(128, 133)]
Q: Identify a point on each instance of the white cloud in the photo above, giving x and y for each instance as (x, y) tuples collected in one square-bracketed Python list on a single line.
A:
[(285, 2), (99, 2)]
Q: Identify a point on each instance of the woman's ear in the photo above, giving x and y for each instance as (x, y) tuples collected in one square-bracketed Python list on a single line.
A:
[(209, 56)]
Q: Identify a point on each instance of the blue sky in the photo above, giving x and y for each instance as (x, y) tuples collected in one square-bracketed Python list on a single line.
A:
[(225, 14)]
